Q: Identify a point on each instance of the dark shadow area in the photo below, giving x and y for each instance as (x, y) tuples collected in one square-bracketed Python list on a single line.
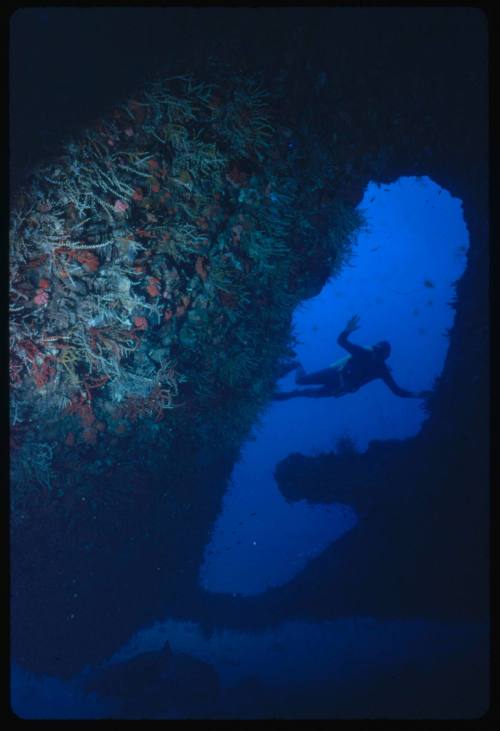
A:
[(410, 690), (159, 683)]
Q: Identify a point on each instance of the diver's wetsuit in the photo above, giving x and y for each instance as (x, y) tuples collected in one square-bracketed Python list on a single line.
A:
[(347, 375)]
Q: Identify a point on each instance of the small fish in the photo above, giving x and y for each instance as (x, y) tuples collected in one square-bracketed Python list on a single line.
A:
[(429, 283)]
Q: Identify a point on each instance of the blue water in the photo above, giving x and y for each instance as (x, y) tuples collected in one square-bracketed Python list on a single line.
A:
[(400, 281)]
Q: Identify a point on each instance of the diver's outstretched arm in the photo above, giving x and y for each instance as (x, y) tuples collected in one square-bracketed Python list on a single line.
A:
[(351, 348), (342, 340), (402, 392)]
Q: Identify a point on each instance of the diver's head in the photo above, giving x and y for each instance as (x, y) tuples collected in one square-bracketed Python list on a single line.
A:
[(382, 349)]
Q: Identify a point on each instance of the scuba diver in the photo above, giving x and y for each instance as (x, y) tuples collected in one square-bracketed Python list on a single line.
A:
[(349, 374)]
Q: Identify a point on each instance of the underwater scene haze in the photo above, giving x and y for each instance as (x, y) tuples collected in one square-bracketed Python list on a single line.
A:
[(249, 363)]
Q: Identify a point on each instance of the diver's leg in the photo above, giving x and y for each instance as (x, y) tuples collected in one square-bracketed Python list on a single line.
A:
[(285, 395), (306, 392), (287, 367), (327, 376), (316, 392), (300, 374)]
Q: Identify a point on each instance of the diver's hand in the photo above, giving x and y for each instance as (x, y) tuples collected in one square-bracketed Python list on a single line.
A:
[(352, 324)]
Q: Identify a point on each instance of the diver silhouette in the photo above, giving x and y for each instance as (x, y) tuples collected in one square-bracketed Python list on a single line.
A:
[(349, 374)]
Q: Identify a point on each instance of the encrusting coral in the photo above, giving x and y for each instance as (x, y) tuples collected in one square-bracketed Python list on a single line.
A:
[(155, 263)]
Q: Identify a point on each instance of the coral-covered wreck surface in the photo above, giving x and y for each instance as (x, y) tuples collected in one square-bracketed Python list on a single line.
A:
[(155, 262)]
